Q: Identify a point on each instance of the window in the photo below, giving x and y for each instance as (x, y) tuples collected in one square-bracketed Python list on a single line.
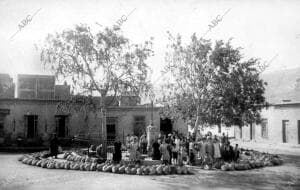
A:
[(264, 128), (139, 126), (31, 125), (1, 125)]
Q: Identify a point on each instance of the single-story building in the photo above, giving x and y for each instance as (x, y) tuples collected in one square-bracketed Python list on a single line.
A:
[(36, 119), (281, 120)]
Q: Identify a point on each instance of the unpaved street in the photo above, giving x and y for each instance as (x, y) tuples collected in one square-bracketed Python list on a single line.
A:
[(15, 175)]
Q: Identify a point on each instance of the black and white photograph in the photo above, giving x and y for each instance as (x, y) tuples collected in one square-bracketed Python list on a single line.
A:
[(149, 94)]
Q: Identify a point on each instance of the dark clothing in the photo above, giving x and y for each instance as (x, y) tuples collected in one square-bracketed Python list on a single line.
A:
[(228, 154), (156, 155), (144, 147), (231, 153), (54, 147), (236, 154), (170, 153), (117, 156)]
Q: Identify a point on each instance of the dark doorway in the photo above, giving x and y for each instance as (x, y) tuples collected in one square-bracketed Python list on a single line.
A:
[(60, 122), (166, 126), (298, 131), (284, 128), (111, 126), (31, 124)]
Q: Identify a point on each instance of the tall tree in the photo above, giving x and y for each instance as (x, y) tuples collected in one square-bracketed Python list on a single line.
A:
[(211, 84), (237, 87), (103, 62), (191, 74)]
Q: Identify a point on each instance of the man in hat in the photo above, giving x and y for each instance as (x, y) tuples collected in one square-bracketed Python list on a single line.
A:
[(54, 145)]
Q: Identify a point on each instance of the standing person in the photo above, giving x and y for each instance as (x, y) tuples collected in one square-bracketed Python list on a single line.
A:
[(164, 149), (170, 147), (223, 139), (143, 143), (176, 149), (54, 146), (202, 152), (117, 156), (231, 152), (217, 151), (236, 152), (210, 149), (133, 150), (180, 153), (191, 151), (127, 141), (156, 155)]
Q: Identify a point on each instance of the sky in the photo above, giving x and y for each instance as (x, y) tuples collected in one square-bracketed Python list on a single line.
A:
[(269, 30)]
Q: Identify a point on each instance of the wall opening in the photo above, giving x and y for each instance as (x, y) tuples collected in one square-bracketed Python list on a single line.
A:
[(61, 125), (111, 126), (166, 126), (31, 124), (285, 124), (298, 131)]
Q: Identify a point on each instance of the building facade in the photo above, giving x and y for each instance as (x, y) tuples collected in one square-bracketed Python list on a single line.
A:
[(281, 120), (35, 114), (280, 124), (36, 120)]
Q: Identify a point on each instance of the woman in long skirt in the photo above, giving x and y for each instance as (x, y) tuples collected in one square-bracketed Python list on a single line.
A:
[(133, 150), (117, 156), (217, 151), (156, 155)]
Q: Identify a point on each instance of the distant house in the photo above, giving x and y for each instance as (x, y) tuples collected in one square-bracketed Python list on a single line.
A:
[(281, 120)]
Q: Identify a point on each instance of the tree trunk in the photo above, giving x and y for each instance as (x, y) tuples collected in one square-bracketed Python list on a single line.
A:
[(197, 123), (103, 128)]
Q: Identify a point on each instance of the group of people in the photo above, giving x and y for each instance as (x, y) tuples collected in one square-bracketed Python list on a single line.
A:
[(176, 149), (209, 150), (172, 149)]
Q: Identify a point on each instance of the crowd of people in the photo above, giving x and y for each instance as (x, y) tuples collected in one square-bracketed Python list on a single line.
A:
[(172, 149), (177, 149)]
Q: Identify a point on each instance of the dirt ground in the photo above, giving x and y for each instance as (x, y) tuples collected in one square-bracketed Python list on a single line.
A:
[(15, 175)]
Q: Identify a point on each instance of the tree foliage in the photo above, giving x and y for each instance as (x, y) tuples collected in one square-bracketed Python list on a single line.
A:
[(211, 84), (104, 62)]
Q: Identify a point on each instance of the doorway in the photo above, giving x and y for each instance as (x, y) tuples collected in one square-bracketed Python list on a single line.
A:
[(284, 129), (166, 126), (61, 126), (298, 131), (111, 126), (31, 125)]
